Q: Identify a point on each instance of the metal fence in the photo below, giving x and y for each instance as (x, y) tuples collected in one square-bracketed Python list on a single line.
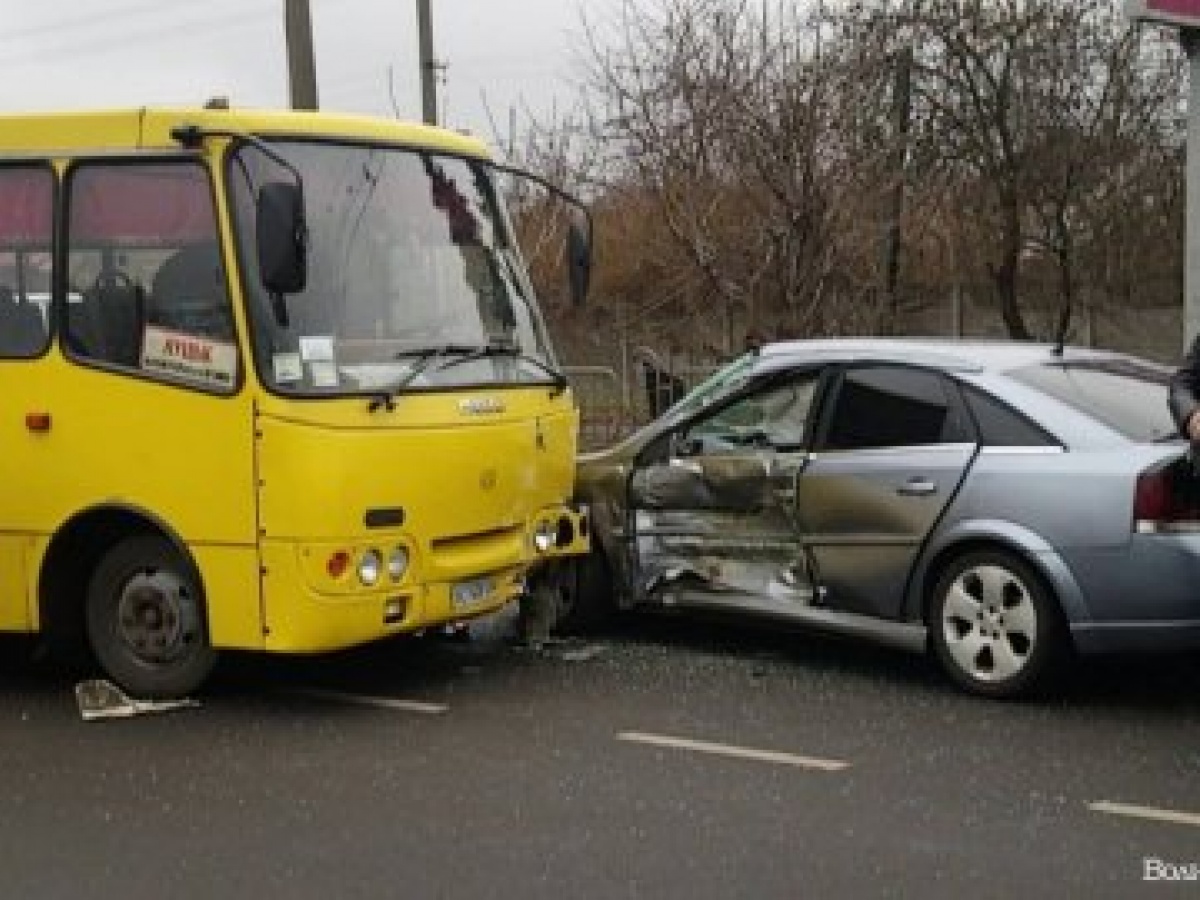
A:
[(604, 413), (613, 404)]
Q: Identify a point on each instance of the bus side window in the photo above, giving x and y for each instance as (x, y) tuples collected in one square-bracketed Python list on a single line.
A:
[(22, 332), (188, 293), (26, 214), (145, 272), (106, 321)]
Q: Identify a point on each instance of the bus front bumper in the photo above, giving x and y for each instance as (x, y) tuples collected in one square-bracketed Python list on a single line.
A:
[(309, 605)]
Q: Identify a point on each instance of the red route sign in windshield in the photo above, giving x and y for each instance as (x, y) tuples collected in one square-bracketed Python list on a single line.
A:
[(1174, 12)]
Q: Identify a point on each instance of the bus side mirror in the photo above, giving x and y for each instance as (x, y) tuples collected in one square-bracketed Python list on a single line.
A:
[(579, 263), (282, 238)]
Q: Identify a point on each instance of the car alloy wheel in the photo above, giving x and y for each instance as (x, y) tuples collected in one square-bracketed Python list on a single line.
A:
[(994, 624)]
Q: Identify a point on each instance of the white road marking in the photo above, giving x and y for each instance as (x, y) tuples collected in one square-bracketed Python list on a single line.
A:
[(771, 756), (393, 703), (1173, 816)]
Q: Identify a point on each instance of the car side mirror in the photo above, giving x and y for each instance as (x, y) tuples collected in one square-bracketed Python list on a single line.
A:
[(282, 238)]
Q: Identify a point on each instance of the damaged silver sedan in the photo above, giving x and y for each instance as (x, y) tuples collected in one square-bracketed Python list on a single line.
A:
[(995, 504)]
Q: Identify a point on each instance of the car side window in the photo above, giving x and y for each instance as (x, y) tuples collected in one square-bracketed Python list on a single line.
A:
[(1001, 426), (893, 406), (776, 416)]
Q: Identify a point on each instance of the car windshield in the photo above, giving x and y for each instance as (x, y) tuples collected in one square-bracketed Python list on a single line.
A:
[(716, 384), (409, 254), (1129, 397)]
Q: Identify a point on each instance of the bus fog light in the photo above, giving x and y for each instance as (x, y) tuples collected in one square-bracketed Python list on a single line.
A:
[(543, 536), (397, 563), (369, 567), (393, 610)]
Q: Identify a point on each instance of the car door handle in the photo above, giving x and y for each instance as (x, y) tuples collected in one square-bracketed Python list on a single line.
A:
[(917, 487)]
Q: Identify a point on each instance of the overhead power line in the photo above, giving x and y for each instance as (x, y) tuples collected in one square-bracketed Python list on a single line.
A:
[(98, 45)]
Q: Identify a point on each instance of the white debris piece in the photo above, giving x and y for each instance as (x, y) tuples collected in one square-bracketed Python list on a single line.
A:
[(582, 654), (100, 699)]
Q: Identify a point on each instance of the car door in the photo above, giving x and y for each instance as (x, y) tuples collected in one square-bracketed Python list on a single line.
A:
[(712, 502), (892, 447)]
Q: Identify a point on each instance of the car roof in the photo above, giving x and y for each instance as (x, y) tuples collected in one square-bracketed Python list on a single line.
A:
[(944, 353)]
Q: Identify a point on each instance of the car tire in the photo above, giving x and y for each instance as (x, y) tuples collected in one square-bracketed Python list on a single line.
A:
[(585, 599), (146, 619), (995, 626)]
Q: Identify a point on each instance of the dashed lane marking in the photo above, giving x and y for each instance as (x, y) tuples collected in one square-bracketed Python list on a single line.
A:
[(730, 750), (393, 703), (1151, 813)]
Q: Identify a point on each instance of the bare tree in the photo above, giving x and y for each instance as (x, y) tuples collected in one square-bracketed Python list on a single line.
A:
[(725, 117), (1027, 107)]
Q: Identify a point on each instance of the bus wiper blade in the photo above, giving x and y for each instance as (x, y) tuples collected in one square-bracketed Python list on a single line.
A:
[(424, 357), (455, 354), (436, 350), (501, 347)]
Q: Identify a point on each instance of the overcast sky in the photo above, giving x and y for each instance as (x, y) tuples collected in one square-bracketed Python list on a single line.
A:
[(500, 54)]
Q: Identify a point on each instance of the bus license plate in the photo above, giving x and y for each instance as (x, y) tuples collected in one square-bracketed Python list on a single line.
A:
[(469, 593)]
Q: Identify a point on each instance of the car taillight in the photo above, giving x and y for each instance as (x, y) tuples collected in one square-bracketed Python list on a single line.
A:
[(1166, 499)]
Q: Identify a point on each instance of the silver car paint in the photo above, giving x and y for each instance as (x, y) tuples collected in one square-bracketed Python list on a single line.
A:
[(865, 515), (1067, 510)]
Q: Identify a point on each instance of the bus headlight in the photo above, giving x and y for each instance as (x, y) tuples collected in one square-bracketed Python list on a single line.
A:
[(369, 567), (397, 563), (543, 536)]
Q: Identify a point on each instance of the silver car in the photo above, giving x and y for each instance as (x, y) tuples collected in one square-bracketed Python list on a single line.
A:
[(996, 504)]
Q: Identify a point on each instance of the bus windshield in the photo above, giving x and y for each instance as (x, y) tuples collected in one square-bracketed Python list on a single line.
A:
[(413, 281)]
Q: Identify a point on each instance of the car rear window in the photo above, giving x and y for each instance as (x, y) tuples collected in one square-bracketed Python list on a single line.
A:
[(1129, 397)]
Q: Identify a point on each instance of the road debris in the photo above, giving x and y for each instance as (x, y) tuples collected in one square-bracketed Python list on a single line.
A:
[(581, 653), (566, 649), (99, 699)]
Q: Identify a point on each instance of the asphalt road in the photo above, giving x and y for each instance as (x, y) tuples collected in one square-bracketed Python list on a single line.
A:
[(668, 759)]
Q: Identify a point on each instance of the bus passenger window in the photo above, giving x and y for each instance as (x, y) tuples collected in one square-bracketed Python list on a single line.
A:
[(22, 331), (147, 290), (26, 214), (188, 293)]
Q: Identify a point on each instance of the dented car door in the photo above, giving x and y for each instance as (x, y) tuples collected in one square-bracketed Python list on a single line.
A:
[(892, 450), (712, 507)]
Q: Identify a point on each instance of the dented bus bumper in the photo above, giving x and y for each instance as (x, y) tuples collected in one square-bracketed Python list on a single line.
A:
[(315, 597)]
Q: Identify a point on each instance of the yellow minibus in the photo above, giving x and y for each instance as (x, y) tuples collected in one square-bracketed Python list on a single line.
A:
[(269, 380)]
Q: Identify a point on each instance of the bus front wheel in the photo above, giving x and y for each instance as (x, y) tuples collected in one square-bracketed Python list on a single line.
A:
[(146, 622)]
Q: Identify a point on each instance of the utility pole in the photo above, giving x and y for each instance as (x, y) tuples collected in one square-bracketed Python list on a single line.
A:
[(1191, 244), (901, 114), (428, 64), (302, 69), (1185, 15)]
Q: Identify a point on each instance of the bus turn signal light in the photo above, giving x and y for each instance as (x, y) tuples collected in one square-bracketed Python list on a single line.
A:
[(337, 564), (37, 421)]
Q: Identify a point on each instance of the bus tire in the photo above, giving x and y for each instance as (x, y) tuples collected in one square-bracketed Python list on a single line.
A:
[(586, 603), (146, 619)]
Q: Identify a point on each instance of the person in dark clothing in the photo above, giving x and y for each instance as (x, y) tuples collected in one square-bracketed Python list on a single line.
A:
[(1184, 394)]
